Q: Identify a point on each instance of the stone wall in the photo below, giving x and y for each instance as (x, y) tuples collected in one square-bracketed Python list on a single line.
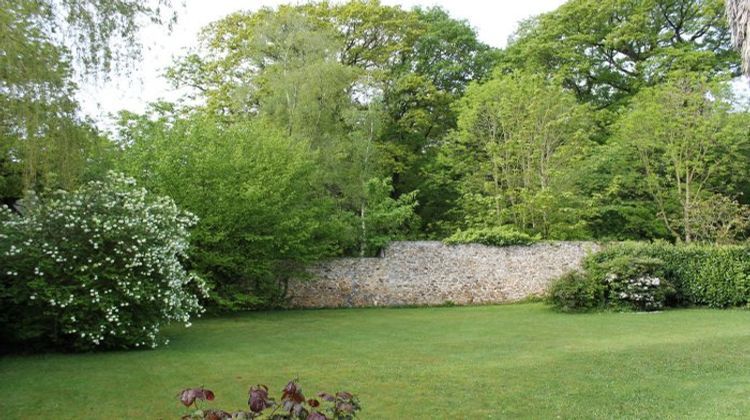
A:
[(431, 273)]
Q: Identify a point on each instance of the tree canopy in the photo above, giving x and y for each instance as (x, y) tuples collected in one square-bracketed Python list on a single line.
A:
[(47, 45), (606, 50), (322, 129)]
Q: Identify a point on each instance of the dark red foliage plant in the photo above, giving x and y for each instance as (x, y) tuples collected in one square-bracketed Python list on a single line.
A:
[(258, 400), (189, 396), (291, 406)]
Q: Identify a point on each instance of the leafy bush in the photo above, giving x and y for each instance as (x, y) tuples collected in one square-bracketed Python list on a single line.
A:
[(292, 405), (384, 218), (632, 282), (711, 275), (647, 276), (576, 292), (96, 268), (493, 236), (263, 212)]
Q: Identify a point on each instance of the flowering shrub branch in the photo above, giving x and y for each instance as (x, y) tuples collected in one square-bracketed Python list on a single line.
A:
[(100, 267)]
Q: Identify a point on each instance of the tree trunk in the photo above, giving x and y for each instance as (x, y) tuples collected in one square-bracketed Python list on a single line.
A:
[(363, 243), (686, 214)]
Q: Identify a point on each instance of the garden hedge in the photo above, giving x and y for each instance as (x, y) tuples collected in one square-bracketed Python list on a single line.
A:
[(716, 276)]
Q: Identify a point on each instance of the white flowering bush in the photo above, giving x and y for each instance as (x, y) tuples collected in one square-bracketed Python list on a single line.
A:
[(642, 292), (633, 282), (101, 267), (620, 282), (650, 276)]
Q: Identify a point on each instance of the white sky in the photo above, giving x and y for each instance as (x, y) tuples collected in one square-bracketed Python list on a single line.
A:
[(494, 20)]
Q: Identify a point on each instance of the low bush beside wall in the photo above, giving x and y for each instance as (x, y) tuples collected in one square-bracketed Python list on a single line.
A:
[(491, 236), (649, 276)]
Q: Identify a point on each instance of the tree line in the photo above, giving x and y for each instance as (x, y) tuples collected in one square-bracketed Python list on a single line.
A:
[(325, 129)]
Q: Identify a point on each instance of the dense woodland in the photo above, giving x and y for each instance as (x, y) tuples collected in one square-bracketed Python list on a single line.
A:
[(329, 129)]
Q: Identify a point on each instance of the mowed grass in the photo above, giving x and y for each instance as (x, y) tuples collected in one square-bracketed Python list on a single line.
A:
[(509, 361)]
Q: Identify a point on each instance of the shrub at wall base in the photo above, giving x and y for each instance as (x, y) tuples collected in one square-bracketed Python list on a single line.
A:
[(642, 276)]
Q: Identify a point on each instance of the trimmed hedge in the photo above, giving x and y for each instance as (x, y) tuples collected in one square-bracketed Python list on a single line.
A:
[(710, 275), (492, 236), (716, 276)]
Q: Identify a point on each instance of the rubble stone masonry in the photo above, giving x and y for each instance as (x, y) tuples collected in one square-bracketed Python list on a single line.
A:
[(432, 273)]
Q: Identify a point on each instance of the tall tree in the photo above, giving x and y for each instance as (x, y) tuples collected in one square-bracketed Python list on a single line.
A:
[(308, 66), (517, 134), (263, 210), (44, 141), (316, 73), (607, 50), (688, 142), (420, 96)]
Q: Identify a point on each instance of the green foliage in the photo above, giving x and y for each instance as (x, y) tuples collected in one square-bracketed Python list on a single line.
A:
[(715, 276), (305, 67), (420, 95), (614, 53), (100, 267), (619, 206), (629, 282), (546, 143), (40, 137), (44, 143), (371, 34), (263, 210), (493, 236), (385, 218), (646, 276), (576, 292), (448, 52), (605, 51), (687, 141), (517, 136)]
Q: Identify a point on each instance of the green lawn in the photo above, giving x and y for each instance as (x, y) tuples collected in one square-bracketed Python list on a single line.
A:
[(465, 362)]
